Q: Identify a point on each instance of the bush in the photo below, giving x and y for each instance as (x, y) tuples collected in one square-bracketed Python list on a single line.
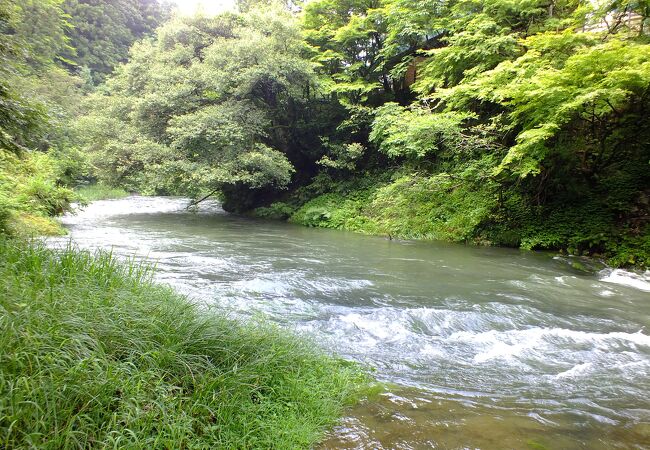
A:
[(276, 211), (441, 207), (30, 193)]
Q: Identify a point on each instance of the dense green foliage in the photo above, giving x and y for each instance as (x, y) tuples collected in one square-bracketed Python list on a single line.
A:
[(24, 57), (93, 354), (514, 123), (213, 104), (30, 194), (101, 32), (37, 100), (530, 127)]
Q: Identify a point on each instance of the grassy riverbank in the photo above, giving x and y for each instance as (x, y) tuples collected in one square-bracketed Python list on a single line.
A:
[(92, 192), (93, 354), (409, 205)]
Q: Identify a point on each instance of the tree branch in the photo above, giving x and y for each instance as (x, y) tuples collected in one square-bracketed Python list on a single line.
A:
[(196, 202)]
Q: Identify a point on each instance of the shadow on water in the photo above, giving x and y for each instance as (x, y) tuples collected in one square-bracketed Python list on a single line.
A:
[(483, 347)]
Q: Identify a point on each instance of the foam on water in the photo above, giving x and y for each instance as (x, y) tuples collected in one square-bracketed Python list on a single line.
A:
[(579, 370), (434, 352), (640, 281)]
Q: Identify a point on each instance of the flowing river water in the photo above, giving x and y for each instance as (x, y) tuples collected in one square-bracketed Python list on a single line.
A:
[(480, 347)]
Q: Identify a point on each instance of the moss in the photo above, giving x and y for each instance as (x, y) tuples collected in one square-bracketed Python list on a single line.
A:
[(28, 225)]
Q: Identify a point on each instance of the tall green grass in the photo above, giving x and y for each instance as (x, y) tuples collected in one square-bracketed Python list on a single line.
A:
[(95, 355), (92, 192)]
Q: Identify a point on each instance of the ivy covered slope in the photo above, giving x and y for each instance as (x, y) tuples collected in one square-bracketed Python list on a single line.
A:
[(510, 123)]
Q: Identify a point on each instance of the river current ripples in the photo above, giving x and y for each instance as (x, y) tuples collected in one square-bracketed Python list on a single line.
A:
[(480, 347)]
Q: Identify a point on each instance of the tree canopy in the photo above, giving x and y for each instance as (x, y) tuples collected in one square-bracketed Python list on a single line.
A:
[(211, 104), (102, 32)]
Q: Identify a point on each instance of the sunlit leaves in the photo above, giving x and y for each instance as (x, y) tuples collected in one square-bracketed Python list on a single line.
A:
[(417, 132), (597, 83), (348, 37)]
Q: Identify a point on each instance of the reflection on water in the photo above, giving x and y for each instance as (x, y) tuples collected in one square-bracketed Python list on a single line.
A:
[(482, 347)]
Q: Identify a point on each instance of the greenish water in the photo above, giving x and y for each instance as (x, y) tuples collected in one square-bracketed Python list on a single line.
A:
[(483, 347)]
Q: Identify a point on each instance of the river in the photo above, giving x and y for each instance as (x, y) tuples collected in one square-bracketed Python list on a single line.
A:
[(480, 347)]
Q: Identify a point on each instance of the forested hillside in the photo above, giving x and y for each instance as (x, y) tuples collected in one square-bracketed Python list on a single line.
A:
[(46, 68), (101, 32), (517, 123)]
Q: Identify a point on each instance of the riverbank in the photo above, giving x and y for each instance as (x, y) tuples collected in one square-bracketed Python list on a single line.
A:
[(434, 207), (95, 354), (93, 192)]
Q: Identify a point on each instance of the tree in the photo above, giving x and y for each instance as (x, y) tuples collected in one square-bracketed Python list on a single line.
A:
[(32, 40), (211, 105), (347, 36), (102, 32), (32, 89)]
